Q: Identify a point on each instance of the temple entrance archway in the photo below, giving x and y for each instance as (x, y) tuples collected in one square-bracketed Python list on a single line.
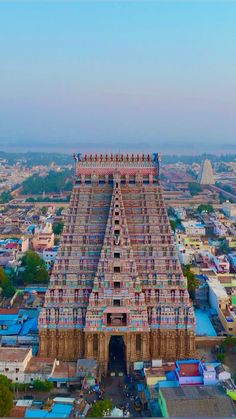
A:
[(117, 355)]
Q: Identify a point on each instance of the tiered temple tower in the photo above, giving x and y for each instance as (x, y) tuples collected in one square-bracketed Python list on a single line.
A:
[(117, 273), (206, 176)]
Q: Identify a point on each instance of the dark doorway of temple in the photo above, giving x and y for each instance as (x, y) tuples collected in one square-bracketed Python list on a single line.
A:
[(117, 359)]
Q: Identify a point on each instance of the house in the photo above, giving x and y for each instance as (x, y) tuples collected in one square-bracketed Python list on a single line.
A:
[(220, 301), (39, 368), (13, 362), (195, 401), (154, 375), (194, 228), (19, 327), (43, 239), (189, 372), (49, 255)]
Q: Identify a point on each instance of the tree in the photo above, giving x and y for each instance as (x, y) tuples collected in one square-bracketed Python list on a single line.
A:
[(4, 381), (229, 342), (173, 225), (191, 280), (224, 247), (35, 271), (5, 197), (58, 228), (205, 208), (220, 357), (194, 188), (52, 182), (59, 210), (44, 210), (39, 385), (6, 401), (5, 284), (99, 408)]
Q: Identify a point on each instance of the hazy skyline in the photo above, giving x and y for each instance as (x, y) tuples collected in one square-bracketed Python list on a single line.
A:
[(117, 73)]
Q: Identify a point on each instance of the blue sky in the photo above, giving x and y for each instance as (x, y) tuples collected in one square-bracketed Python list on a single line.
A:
[(93, 72)]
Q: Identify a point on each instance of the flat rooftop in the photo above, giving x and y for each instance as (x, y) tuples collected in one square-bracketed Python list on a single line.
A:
[(38, 364), (193, 392), (65, 370), (189, 369), (8, 354)]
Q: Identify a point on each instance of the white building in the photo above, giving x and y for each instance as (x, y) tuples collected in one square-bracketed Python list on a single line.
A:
[(186, 256), (180, 213), (13, 362), (229, 209), (218, 297), (194, 228), (219, 229), (20, 366), (49, 255)]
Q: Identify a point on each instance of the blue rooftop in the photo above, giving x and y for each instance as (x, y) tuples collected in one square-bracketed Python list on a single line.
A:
[(19, 324), (59, 410)]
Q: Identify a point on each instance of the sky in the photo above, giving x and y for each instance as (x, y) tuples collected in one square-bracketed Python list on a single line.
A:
[(117, 75)]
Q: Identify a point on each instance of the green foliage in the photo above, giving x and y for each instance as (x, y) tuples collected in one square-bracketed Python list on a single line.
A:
[(173, 225), (171, 159), (31, 159), (194, 188), (44, 210), (58, 228), (221, 167), (99, 408), (220, 357), (5, 197), (59, 210), (4, 381), (39, 385), (229, 342), (223, 199), (6, 400), (19, 386), (35, 271), (5, 284), (192, 173), (224, 247), (47, 199), (205, 208), (191, 280), (53, 182)]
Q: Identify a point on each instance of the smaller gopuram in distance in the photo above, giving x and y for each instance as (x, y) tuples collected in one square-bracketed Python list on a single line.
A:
[(117, 290)]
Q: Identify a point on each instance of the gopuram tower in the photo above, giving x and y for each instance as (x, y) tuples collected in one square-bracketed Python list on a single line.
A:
[(116, 275)]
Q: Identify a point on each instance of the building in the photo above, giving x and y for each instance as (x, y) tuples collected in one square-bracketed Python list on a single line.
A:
[(220, 301), (13, 362), (195, 401), (206, 176), (19, 365), (19, 327), (194, 228), (229, 209), (117, 284), (194, 372), (49, 255), (43, 239), (39, 369)]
